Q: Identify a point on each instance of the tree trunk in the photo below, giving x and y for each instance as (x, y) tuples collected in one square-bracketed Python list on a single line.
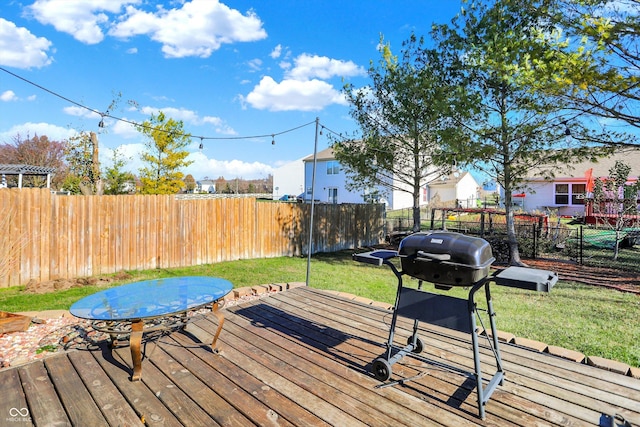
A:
[(416, 218), (512, 239)]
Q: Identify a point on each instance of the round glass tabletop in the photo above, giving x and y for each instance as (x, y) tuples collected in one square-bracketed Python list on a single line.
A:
[(151, 298)]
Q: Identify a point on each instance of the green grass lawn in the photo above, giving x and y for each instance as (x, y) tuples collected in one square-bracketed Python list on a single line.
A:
[(594, 321)]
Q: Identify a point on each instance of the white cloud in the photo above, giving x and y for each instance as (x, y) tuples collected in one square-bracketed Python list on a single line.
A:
[(198, 28), (83, 19), (314, 66), (303, 87), (123, 129), (53, 132), (132, 50), (203, 166), (21, 49), (255, 64), (76, 111), (276, 52), (8, 95), (220, 126), (189, 116), (293, 95)]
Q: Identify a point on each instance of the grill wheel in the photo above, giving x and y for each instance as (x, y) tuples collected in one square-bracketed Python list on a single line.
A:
[(419, 345), (381, 369)]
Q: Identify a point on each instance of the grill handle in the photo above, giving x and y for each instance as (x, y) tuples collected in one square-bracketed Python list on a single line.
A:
[(434, 257)]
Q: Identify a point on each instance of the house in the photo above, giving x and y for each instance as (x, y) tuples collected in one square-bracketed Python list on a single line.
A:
[(205, 186), (459, 189), (566, 192), (331, 186), (288, 179)]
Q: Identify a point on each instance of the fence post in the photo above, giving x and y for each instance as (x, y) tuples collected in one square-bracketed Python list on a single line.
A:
[(581, 253), (535, 241)]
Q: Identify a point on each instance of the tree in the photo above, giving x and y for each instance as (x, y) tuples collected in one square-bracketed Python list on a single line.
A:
[(502, 47), (617, 197), (84, 167), (405, 120), (190, 183), (116, 178), (607, 32), (36, 151), (165, 155)]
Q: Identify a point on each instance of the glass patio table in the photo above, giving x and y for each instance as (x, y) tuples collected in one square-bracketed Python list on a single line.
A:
[(139, 304)]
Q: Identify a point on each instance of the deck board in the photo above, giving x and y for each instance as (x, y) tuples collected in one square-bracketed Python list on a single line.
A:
[(302, 358), (76, 399)]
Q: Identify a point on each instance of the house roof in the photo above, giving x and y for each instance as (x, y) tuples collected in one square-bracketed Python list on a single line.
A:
[(630, 156), (326, 154), (447, 180)]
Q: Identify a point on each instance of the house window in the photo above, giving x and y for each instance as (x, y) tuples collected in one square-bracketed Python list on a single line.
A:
[(333, 195), (562, 194), (333, 168), (577, 194)]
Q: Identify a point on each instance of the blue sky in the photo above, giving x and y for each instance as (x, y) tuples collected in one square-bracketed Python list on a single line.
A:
[(230, 69)]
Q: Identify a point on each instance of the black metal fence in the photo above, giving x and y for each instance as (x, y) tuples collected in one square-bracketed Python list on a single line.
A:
[(579, 243)]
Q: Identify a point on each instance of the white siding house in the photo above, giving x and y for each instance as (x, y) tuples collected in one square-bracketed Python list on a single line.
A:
[(331, 186), (289, 179), (330, 180), (206, 186), (566, 192), (458, 189)]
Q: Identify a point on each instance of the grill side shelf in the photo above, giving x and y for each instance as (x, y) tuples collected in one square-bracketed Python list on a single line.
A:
[(531, 279), (375, 257)]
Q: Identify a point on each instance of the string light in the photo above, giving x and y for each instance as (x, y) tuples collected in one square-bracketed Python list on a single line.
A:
[(102, 115)]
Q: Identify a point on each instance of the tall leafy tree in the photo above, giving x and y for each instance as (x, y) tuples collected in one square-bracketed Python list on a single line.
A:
[(166, 154), (36, 151), (190, 183), (116, 178), (607, 33), (502, 46), (405, 120), (81, 154)]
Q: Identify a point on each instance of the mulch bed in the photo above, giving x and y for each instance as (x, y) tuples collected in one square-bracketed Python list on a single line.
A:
[(589, 275)]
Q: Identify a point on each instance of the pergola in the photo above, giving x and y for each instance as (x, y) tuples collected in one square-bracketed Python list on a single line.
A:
[(21, 170)]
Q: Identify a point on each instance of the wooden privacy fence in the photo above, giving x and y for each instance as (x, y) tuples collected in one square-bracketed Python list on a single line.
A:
[(44, 236)]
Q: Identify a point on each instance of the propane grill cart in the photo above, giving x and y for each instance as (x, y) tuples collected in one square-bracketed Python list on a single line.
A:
[(448, 259)]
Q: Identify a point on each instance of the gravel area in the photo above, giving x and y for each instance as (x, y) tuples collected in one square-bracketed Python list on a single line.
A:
[(46, 337)]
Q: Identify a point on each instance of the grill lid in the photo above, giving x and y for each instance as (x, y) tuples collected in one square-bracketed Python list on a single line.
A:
[(445, 257), (447, 246)]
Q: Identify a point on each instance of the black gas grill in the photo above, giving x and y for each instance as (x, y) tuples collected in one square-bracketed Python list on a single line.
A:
[(448, 259)]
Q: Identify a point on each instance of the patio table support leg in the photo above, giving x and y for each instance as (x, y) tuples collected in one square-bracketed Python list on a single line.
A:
[(220, 317), (134, 343)]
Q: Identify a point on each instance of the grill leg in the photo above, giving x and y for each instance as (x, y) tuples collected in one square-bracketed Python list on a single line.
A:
[(476, 355), (494, 331), (484, 394)]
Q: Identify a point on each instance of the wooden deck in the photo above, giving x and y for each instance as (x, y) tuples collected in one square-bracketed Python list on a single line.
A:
[(301, 358)]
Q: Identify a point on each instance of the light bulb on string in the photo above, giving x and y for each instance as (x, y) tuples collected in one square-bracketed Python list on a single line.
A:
[(201, 145), (273, 140)]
